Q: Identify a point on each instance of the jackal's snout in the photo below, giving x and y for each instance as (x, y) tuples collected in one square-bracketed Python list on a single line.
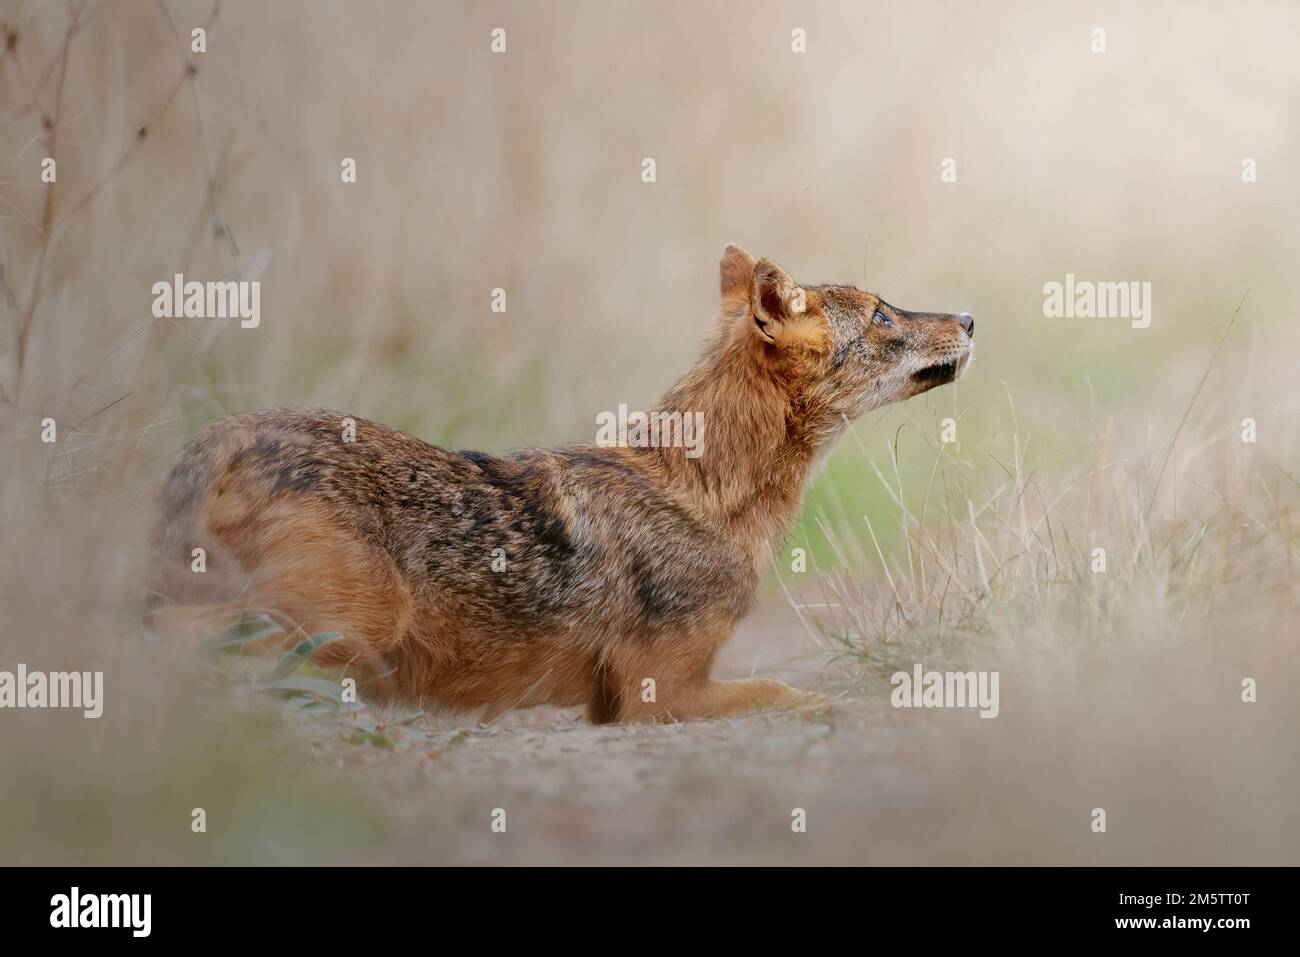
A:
[(942, 345)]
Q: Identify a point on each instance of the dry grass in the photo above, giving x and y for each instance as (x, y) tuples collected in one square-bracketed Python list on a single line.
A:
[(987, 548)]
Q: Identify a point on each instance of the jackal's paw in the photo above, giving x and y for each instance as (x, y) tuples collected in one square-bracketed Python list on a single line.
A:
[(810, 701), (781, 697)]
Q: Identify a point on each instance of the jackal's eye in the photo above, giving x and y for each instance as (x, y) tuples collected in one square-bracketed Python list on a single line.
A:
[(880, 319)]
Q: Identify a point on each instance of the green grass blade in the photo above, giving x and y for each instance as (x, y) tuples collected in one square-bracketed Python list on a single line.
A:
[(292, 660), (327, 691), (247, 628)]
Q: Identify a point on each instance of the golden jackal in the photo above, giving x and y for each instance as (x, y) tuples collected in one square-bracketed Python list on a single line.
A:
[(467, 581)]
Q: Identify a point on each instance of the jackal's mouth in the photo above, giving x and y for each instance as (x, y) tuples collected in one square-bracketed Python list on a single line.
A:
[(938, 374)]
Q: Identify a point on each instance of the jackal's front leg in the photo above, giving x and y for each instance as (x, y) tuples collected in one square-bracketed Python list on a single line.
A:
[(632, 687), (721, 699)]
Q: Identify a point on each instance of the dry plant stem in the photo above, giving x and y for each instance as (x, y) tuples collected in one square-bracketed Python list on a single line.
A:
[(1169, 449), (47, 216), (136, 412)]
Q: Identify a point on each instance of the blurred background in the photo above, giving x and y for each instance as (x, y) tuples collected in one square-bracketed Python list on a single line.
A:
[(522, 171)]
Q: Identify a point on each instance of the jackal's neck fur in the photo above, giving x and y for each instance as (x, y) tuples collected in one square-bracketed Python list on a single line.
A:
[(757, 451)]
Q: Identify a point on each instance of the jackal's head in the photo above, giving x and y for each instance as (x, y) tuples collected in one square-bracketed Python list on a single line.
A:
[(838, 351)]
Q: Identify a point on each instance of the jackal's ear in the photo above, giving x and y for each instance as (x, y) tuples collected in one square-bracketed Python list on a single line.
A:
[(737, 273), (736, 277), (778, 302)]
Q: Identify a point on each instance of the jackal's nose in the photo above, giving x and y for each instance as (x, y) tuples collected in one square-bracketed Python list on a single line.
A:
[(967, 322)]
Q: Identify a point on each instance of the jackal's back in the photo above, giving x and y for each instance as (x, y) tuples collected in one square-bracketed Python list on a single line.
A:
[(536, 541)]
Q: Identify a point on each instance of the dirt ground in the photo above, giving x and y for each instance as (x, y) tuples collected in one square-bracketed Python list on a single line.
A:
[(573, 792), (876, 785)]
